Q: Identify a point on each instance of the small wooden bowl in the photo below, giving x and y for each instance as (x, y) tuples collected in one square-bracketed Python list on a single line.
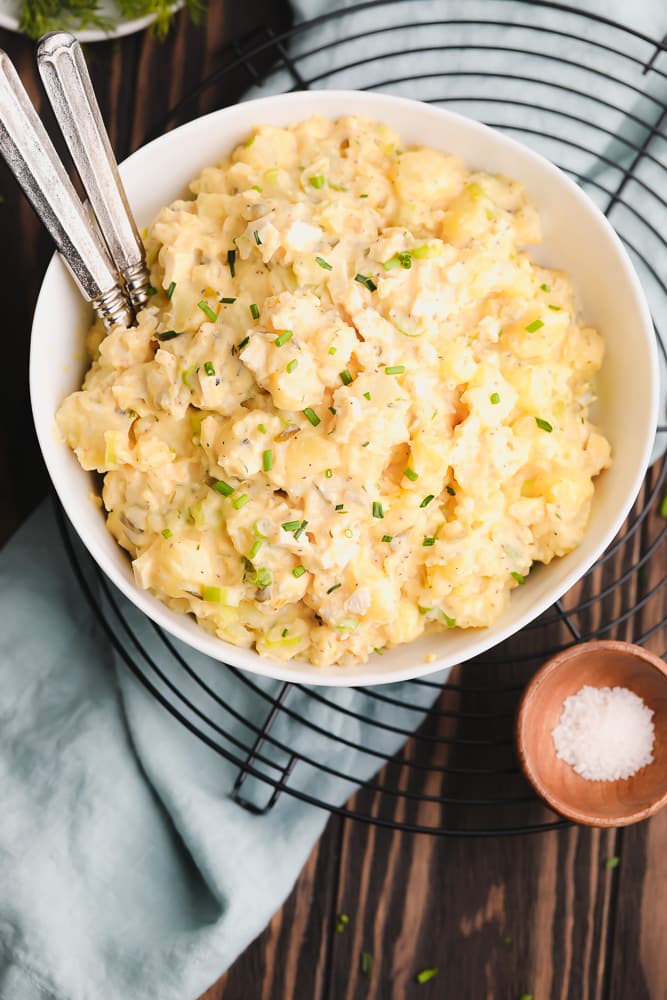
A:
[(600, 664)]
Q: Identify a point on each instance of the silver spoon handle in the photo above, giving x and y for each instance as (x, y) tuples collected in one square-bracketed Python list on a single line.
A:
[(34, 162), (68, 85)]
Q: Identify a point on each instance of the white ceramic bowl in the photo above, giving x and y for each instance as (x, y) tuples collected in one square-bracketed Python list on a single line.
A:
[(577, 238)]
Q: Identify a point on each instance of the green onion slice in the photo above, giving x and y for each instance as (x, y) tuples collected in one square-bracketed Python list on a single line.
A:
[(209, 368), (298, 571), (377, 509), (345, 377), (207, 311), (410, 474), (254, 310), (323, 263), (312, 416), (367, 282), (267, 460), (395, 370), (283, 337), (544, 425), (536, 325), (171, 289), (221, 487)]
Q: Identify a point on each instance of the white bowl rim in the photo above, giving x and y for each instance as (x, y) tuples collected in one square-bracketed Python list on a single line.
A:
[(301, 671)]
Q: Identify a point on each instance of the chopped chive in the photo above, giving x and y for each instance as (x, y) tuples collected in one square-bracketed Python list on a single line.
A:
[(367, 395), (365, 444), (244, 343), (451, 491), (328, 473), (366, 962), (169, 334), (212, 594), (333, 410), (284, 632), (363, 196), (291, 365), (611, 863), (300, 530), (556, 309), (342, 921), (298, 571), (403, 260), (254, 311), (317, 181), (426, 501), (395, 370), (290, 525), (231, 262), (335, 587), (545, 288), (410, 474), (209, 368), (345, 377), (171, 289), (207, 311), (518, 577), (537, 324), (261, 428), (426, 975), (428, 542), (367, 282), (663, 506), (332, 350), (387, 538), (267, 460), (151, 291), (166, 533), (376, 649), (246, 145), (544, 425), (257, 544), (283, 337), (526, 996), (240, 501), (449, 622), (224, 488), (377, 509), (258, 240), (494, 398), (339, 506), (256, 187), (312, 416), (263, 577), (323, 263), (228, 301)]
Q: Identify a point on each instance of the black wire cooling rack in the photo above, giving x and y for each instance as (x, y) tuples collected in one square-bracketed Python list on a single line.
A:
[(589, 94)]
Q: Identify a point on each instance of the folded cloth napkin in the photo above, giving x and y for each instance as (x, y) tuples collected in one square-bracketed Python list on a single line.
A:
[(127, 872)]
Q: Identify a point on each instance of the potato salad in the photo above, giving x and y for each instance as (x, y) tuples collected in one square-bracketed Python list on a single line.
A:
[(354, 409)]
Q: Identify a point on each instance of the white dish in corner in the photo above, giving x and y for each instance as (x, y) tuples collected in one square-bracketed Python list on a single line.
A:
[(10, 18), (577, 238)]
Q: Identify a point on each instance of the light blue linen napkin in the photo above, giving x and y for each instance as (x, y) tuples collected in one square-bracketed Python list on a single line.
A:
[(126, 870)]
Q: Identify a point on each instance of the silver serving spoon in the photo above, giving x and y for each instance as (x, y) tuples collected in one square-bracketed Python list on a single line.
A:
[(69, 88), (31, 157)]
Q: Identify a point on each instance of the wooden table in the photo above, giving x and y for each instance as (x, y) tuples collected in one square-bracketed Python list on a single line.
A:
[(540, 915)]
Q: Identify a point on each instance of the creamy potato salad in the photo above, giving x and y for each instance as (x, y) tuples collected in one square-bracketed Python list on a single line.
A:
[(354, 410)]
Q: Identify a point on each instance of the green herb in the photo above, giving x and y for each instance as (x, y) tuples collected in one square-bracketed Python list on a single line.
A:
[(290, 525), (257, 544), (428, 542), (363, 196), (231, 262), (166, 533), (449, 622), (395, 370), (387, 538), (526, 996), (221, 487), (151, 290), (451, 491), (169, 334), (284, 632), (41, 16), (332, 409), (365, 444), (228, 301), (376, 649), (208, 368), (556, 309), (332, 350), (544, 425), (536, 325), (261, 428), (345, 377), (212, 594), (328, 473), (258, 240), (283, 337), (377, 509), (339, 506), (366, 282), (335, 587), (545, 288), (663, 505), (254, 311), (611, 863), (263, 577), (518, 577), (298, 571), (171, 289), (426, 501), (267, 460), (300, 530), (317, 182), (323, 263), (240, 501), (494, 398), (291, 365), (426, 974), (342, 922), (426, 252), (256, 187), (366, 963), (207, 311), (337, 187), (410, 474), (244, 343), (250, 141), (367, 395), (403, 260), (312, 416)]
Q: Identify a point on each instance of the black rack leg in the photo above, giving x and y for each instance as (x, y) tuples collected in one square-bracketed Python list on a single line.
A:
[(236, 796)]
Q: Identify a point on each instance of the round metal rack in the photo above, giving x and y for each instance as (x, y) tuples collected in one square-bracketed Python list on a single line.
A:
[(430, 756)]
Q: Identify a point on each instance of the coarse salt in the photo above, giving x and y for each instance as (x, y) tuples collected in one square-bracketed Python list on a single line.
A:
[(605, 733)]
